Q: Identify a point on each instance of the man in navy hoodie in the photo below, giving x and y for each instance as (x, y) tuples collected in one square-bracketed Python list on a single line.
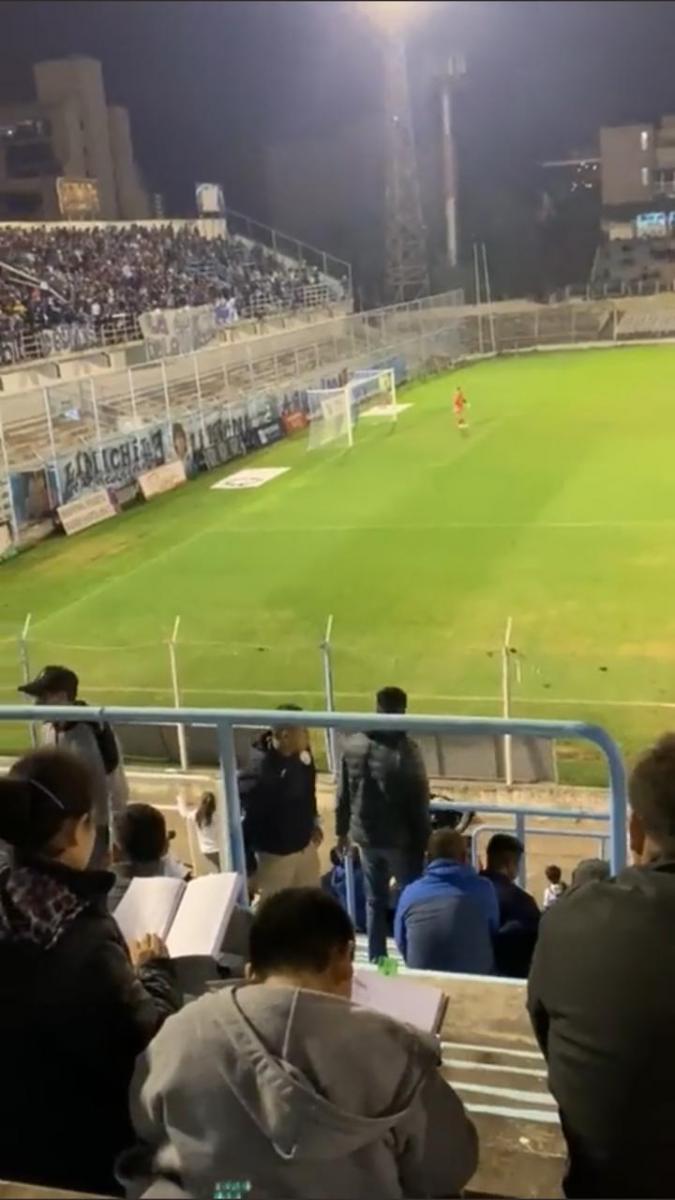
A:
[(446, 920)]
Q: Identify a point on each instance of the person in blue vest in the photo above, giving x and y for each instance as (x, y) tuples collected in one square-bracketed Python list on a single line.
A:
[(446, 920)]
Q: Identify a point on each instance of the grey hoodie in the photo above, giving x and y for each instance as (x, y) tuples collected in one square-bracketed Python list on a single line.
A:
[(296, 1094)]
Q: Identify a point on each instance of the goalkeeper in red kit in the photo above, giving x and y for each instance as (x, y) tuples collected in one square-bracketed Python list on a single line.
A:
[(459, 406)]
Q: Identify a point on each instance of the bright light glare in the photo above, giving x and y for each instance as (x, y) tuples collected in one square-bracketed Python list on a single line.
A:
[(392, 15)]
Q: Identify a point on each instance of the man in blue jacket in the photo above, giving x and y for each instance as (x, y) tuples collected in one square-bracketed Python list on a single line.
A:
[(446, 920)]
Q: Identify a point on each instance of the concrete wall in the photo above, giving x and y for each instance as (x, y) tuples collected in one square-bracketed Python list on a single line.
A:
[(622, 160), (80, 82), (133, 202)]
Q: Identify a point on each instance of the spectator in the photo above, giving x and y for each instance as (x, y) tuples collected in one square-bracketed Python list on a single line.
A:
[(556, 886), (95, 743), (590, 870), (518, 910), (288, 1088), (281, 822), (383, 807), (445, 921), (73, 1011), (142, 850), (600, 999), (204, 817), (335, 883), (99, 278)]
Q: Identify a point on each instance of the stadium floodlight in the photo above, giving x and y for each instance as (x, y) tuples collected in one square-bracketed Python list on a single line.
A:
[(334, 412), (392, 16)]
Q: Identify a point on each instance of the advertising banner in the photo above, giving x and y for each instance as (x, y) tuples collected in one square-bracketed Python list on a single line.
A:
[(162, 479), (88, 510), (293, 422)]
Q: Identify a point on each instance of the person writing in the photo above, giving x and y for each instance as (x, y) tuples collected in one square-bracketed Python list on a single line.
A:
[(76, 1007)]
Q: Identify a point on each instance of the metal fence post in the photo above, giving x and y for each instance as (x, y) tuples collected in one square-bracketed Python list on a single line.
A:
[(52, 443), (14, 524), (327, 661), (230, 830), (97, 423), (132, 395), (173, 664), (25, 667), (520, 834), (506, 702), (165, 385), (200, 400)]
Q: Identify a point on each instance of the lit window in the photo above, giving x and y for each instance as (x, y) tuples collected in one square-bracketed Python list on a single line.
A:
[(644, 176), (644, 139)]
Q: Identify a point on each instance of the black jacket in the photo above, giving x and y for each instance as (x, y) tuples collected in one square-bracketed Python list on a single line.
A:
[(278, 800), (383, 794), (518, 927), (74, 1015), (602, 1003)]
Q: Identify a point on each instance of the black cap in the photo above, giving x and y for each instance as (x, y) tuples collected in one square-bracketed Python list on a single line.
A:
[(52, 679)]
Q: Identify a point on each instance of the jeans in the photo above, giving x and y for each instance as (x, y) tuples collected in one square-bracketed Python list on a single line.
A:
[(379, 865)]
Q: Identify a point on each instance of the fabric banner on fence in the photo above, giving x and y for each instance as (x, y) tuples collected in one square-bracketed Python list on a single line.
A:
[(117, 463), (169, 331)]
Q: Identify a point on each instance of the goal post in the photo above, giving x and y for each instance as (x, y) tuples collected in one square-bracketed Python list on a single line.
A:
[(334, 412)]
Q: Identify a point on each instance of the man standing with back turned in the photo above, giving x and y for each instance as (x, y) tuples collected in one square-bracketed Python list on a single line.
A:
[(601, 1002), (383, 807)]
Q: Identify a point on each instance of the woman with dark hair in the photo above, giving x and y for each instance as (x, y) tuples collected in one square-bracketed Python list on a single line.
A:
[(204, 817), (76, 1006)]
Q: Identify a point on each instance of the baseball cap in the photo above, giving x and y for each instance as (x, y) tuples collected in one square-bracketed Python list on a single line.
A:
[(52, 679)]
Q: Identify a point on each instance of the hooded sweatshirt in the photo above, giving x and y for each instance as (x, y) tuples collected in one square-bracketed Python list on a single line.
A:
[(292, 1093)]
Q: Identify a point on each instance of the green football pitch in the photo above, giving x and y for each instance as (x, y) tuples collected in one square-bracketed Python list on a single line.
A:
[(557, 510)]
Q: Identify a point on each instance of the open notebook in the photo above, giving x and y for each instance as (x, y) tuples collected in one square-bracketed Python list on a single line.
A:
[(190, 917), (416, 1004)]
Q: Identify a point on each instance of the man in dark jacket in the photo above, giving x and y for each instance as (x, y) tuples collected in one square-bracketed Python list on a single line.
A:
[(445, 921), (518, 910), (601, 1001), (383, 807), (278, 799)]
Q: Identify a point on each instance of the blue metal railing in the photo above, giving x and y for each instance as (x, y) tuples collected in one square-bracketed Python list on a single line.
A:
[(226, 720), (536, 831)]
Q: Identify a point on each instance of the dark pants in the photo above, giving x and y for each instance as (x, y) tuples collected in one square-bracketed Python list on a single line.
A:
[(379, 866)]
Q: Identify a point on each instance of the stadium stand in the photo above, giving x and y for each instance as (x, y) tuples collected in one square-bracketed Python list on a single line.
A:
[(55, 276), (635, 324)]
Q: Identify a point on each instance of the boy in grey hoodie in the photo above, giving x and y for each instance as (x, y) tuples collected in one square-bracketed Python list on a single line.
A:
[(283, 1088)]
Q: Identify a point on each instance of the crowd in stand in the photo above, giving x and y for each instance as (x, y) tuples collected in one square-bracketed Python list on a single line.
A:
[(271, 1082), (56, 276)]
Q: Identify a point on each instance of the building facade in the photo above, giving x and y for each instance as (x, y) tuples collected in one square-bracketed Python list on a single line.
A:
[(68, 154)]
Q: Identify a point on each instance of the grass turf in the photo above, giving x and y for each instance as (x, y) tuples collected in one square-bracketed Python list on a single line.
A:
[(558, 510)]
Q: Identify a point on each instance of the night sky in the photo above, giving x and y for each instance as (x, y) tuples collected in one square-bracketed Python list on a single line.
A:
[(210, 85)]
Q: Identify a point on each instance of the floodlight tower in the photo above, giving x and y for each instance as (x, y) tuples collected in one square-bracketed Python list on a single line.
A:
[(406, 265)]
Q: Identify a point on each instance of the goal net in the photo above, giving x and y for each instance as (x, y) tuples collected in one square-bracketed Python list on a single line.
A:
[(334, 412)]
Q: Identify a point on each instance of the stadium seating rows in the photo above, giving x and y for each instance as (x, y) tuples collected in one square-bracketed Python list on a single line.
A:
[(56, 276)]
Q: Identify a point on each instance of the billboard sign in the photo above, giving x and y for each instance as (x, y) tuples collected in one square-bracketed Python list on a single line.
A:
[(210, 200)]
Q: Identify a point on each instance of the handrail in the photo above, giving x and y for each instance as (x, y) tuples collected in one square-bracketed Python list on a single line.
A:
[(226, 720)]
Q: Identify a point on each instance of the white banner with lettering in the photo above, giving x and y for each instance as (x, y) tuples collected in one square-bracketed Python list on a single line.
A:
[(88, 510), (162, 479)]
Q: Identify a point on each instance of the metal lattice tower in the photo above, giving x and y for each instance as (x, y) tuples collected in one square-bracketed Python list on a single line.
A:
[(406, 266)]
